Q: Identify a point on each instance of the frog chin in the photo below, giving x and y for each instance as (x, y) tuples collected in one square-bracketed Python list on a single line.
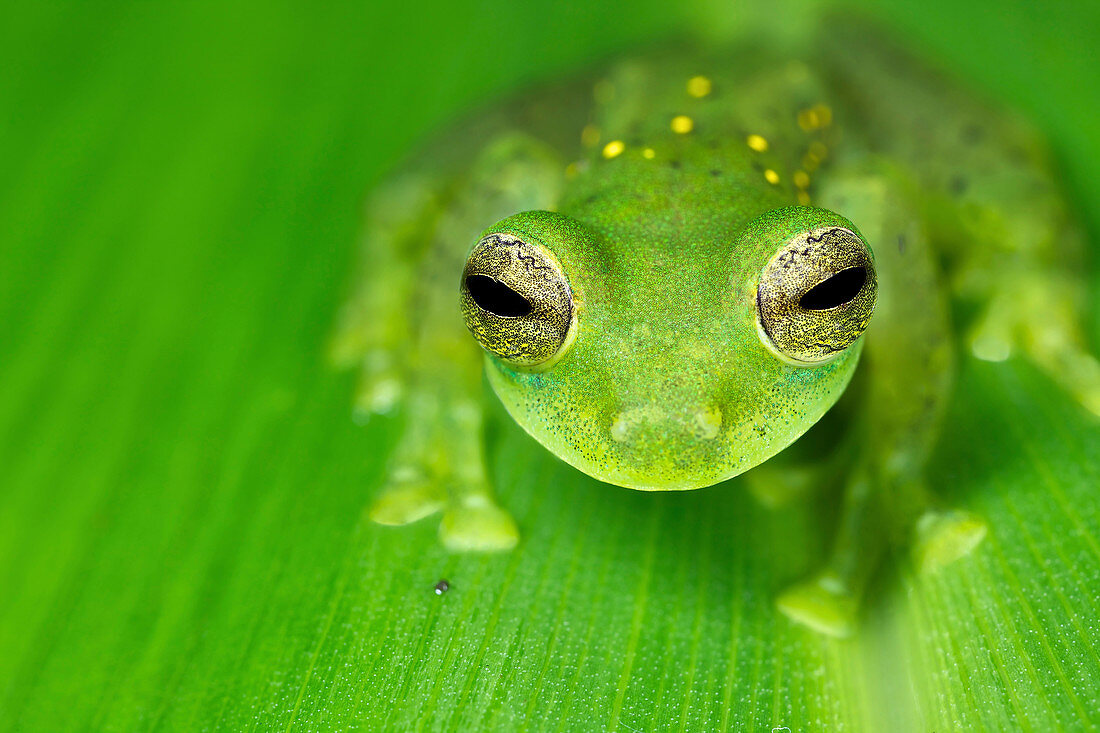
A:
[(655, 466), (633, 448)]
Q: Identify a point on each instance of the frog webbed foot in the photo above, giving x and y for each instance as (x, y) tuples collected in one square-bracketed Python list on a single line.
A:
[(1045, 329), (878, 512), (942, 536), (471, 522), (476, 524), (825, 603), (409, 495), (439, 465)]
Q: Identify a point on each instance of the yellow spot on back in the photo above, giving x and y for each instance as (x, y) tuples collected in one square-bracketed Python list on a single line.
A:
[(590, 135), (801, 179), (815, 118), (771, 176), (698, 86), (613, 148), (757, 143), (803, 198), (648, 153), (682, 124)]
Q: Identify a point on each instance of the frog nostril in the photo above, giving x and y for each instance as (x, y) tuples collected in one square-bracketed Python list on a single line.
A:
[(620, 429)]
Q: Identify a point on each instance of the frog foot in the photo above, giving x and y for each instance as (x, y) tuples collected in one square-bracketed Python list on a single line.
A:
[(824, 603), (476, 524), (944, 536), (408, 496)]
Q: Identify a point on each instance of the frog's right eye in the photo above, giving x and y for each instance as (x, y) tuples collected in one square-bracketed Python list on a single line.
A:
[(516, 301), (816, 295)]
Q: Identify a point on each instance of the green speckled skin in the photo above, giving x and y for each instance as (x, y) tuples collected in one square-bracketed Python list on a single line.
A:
[(663, 184)]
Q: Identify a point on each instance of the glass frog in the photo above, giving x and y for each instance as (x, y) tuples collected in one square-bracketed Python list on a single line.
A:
[(692, 253)]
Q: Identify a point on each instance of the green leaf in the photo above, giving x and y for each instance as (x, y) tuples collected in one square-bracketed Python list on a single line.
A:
[(182, 534)]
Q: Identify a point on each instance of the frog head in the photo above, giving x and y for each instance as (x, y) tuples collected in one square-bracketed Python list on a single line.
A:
[(670, 356)]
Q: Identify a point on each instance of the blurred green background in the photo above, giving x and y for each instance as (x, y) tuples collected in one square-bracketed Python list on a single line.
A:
[(182, 540)]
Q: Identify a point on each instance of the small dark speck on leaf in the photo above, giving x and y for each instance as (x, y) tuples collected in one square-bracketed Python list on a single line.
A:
[(715, 172), (441, 587), (958, 185), (901, 243), (675, 164)]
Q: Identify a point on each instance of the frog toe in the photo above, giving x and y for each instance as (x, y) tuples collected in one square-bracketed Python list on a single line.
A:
[(824, 604), (407, 498), (478, 525), (1076, 371), (944, 536)]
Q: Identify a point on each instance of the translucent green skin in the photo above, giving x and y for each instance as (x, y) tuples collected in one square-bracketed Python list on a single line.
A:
[(662, 233)]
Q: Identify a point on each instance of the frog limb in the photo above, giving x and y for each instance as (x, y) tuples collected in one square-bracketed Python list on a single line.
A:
[(402, 327), (472, 520), (1035, 313), (993, 202), (412, 489), (908, 347)]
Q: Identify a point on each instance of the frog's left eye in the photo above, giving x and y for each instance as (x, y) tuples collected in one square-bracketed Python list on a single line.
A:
[(516, 300), (816, 295)]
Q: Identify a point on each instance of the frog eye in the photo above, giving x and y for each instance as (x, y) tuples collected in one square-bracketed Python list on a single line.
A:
[(816, 295), (516, 300)]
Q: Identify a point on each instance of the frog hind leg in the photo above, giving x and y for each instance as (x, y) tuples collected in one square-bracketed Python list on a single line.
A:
[(908, 370), (1034, 313)]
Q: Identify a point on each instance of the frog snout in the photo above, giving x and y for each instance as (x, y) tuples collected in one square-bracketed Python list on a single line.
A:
[(652, 423)]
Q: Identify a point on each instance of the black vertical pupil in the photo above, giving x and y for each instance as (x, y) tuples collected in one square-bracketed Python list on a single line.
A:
[(837, 290), (496, 297)]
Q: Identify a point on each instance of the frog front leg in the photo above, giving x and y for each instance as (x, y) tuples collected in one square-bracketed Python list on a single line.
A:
[(404, 330), (908, 366), (994, 203), (439, 465)]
